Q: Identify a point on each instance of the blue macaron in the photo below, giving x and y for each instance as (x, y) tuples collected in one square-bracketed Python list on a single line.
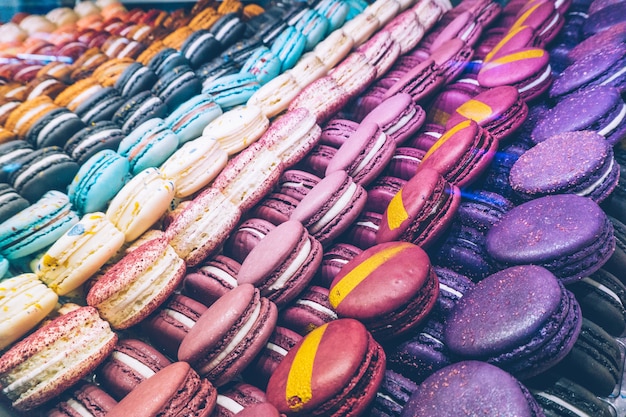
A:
[(148, 145), (36, 227), (263, 64), (314, 27), (98, 181), (289, 47), (336, 11), (232, 90), (191, 117)]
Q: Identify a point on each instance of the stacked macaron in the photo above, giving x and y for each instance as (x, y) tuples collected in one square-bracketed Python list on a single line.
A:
[(307, 215)]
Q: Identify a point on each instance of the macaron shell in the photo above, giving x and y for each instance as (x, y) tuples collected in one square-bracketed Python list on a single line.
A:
[(514, 68)]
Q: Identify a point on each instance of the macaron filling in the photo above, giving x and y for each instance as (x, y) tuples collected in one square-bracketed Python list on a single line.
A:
[(38, 166), (608, 129), (180, 318), (527, 85), (222, 350), (134, 78), (144, 108), (134, 364), (293, 265), (339, 206)]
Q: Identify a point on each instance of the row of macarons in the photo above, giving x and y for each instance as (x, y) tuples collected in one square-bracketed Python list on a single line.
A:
[(161, 190), (57, 123)]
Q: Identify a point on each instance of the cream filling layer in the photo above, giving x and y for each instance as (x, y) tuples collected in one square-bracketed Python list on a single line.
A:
[(451, 290), (37, 166), (380, 141), (575, 410), (334, 211), (614, 76), (608, 129), (229, 404), (224, 276), (537, 82), (275, 348), (318, 307), (402, 122), (78, 407), (179, 317), (432, 339), (93, 139), (599, 181), (53, 124), (39, 89), (239, 336), (133, 363), (550, 25), (293, 267), (603, 288)]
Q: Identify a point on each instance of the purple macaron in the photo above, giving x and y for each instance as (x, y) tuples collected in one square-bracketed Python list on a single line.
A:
[(568, 234), (398, 117), (521, 319), (573, 162)]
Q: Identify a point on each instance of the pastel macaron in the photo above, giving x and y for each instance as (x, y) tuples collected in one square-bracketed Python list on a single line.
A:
[(375, 287), (283, 263), (398, 117), (331, 206), (241, 318), (237, 129), (146, 277), (79, 253), (191, 117), (85, 340), (25, 301), (37, 226), (148, 145)]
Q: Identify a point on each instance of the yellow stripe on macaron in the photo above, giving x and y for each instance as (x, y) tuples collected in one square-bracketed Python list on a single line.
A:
[(353, 278), (396, 213), (516, 56), (298, 391), (523, 18), (475, 110), (447, 135), (503, 41)]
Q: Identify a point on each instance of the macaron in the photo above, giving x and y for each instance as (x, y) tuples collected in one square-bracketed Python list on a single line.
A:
[(229, 334), (176, 388), (241, 50), (572, 237), (37, 226), (579, 162), (200, 48), (333, 384), (86, 396), (499, 110), (524, 347), (11, 202), (465, 385), (322, 98), (354, 74), (604, 112), (237, 397), (421, 211), (228, 29), (309, 311), (154, 264), (98, 180), (79, 253), (283, 263), (168, 325), (131, 362), (26, 301), (279, 343), (92, 139), (237, 129), (331, 206), (276, 95), (379, 195), (194, 165), (398, 116), (314, 26), (231, 90), (263, 64), (318, 158), (135, 79), (296, 183), (165, 61), (212, 279), (191, 117), (177, 86), (461, 154), (203, 226), (137, 109), (140, 203), (245, 237), (288, 47), (148, 145), (526, 69), (100, 106), (85, 340), (421, 82), (275, 208), (387, 311), (336, 131), (330, 52)]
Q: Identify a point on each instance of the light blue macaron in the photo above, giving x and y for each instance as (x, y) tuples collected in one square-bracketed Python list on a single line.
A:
[(232, 90), (314, 27), (263, 64), (98, 181), (37, 226), (191, 117), (356, 8), (4, 268), (289, 47), (148, 145), (336, 11)]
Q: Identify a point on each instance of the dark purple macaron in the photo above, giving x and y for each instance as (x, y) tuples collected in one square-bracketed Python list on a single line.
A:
[(100, 106), (568, 234), (137, 109), (605, 18), (603, 67), (392, 395), (336, 131), (598, 108), (477, 388), (521, 319), (568, 163)]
